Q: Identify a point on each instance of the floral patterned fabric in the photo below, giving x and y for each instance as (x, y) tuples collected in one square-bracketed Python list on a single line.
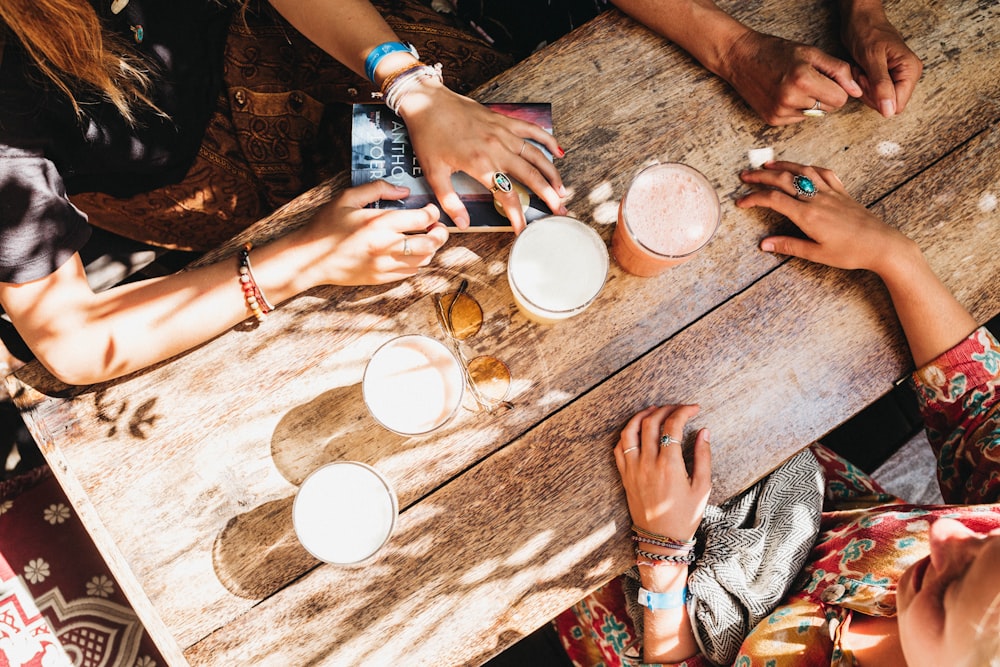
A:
[(867, 538), (60, 606)]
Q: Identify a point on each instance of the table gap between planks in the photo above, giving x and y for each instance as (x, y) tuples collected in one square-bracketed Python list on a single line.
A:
[(185, 473)]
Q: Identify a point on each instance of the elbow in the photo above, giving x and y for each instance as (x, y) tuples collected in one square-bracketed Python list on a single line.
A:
[(75, 363)]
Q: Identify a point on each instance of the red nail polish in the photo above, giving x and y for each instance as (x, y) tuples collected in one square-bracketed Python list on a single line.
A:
[(561, 151)]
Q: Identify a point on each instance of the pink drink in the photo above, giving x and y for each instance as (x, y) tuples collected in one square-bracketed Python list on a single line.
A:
[(668, 214)]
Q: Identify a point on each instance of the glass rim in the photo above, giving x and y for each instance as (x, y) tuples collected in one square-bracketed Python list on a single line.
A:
[(390, 492), (673, 165), (451, 355), (597, 292)]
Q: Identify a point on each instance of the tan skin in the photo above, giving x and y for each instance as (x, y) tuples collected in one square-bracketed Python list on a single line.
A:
[(779, 78), (83, 338), (942, 597)]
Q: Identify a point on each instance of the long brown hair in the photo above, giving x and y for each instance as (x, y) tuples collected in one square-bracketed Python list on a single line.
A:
[(65, 40)]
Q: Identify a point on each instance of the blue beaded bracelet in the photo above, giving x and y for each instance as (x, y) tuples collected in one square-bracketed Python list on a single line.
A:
[(381, 51)]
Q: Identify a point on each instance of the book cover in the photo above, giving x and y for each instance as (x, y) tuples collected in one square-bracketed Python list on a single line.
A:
[(381, 148)]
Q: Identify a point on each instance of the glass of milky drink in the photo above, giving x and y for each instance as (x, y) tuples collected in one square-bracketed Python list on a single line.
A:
[(413, 384), (556, 268), (668, 214), (344, 512)]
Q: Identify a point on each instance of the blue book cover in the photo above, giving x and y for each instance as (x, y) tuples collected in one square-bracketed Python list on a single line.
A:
[(381, 148)]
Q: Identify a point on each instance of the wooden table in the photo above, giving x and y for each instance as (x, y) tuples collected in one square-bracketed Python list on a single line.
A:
[(185, 474)]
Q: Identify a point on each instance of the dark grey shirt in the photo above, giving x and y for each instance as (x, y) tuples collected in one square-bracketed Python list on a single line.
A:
[(47, 152)]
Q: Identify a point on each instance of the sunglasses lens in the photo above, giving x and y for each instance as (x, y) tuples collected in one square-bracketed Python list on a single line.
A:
[(491, 377), (464, 313)]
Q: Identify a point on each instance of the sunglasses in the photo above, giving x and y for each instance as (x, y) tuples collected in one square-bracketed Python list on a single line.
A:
[(487, 378)]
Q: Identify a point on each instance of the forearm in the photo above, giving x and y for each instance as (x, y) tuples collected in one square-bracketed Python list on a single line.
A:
[(697, 26), (346, 29), (667, 633), (932, 318), (84, 338)]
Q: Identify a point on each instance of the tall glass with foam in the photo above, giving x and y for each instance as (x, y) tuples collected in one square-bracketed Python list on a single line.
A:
[(669, 212), (557, 267)]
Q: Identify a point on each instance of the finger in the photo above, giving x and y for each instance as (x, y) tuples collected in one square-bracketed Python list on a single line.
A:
[(529, 130), (652, 429), (881, 88), (440, 182), (673, 426), (906, 76), (839, 71), (541, 177), (789, 245), (701, 473), (413, 220), (361, 196), (791, 207)]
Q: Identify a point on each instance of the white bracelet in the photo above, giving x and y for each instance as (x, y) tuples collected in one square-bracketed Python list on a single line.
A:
[(406, 82)]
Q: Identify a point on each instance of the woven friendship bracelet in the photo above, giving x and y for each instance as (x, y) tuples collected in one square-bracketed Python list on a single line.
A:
[(254, 298), (677, 546), (685, 559)]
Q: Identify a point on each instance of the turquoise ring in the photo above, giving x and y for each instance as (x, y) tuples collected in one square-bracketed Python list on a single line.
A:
[(501, 183), (666, 440), (804, 187)]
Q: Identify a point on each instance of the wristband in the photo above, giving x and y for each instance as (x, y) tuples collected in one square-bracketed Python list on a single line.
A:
[(382, 50), (653, 601)]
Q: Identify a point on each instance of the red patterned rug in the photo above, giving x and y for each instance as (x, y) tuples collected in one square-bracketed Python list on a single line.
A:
[(59, 604)]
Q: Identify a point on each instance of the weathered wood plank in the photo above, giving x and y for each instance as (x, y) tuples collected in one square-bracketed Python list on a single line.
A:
[(534, 527)]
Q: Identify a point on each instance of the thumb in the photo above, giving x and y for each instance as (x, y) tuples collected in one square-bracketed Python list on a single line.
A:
[(838, 70), (701, 477), (881, 87), (789, 245)]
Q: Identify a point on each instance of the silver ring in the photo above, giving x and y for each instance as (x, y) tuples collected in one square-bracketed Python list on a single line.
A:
[(501, 183), (406, 246), (666, 440), (815, 111), (804, 187), (626, 451), (524, 142)]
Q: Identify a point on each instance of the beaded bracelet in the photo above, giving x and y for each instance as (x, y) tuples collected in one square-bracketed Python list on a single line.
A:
[(685, 559), (402, 81), (254, 298), (676, 546)]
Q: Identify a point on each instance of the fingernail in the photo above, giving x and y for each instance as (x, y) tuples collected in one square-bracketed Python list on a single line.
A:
[(561, 151), (562, 210), (707, 434), (562, 191), (855, 87), (767, 246), (461, 221), (887, 108)]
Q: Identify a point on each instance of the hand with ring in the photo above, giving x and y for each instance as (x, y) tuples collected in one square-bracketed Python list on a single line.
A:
[(786, 82), (662, 497), (841, 232), (452, 133), (351, 244)]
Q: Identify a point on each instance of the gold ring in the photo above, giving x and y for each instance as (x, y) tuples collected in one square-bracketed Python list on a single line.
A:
[(626, 451), (406, 246), (501, 183), (524, 142)]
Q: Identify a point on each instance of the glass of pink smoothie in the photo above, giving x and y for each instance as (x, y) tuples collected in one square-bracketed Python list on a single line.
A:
[(669, 212)]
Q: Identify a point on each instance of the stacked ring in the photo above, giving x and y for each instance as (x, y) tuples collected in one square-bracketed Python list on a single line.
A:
[(804, 187), (501, 183), (814, 112)]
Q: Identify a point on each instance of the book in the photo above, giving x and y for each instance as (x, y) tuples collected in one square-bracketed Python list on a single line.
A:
[(381, 148)]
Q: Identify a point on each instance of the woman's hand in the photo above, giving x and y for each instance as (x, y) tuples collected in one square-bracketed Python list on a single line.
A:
[(354, 245), (887, 69), (662, 497), (779, 78), (452, 133), (841, 232)]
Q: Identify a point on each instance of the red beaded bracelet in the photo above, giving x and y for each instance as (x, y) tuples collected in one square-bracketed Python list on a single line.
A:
[(254, 298)]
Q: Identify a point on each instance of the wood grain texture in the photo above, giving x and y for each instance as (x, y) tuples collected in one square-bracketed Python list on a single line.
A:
[(184, 473)]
